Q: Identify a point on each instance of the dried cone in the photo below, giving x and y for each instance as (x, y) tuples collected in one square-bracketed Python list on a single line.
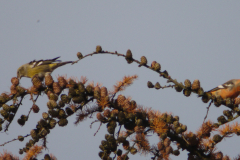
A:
[(21, 122), (110, 129), (196, 84), (237, 101), (48, 80), (65, 98), (218, 156), (47, 157), (107, 113), (169, 119), (61, 103), (143, 60), (13, 109), (133, 150), (53, 113), (186, 92), (164, 74), (20, 138), (229, 102), (33, 133), (114, 113), (89, 90), (226, 158), (52, 123), (61, 113), (62, 122), (35, 108), (133, 104), (126, 104), (104, 92), (129, 54), (153, 64), (160, 146), (124, 157), (187, 83), (184, 128), (157, 85), (205, 99), (157, 67), (121, 99), (79, 55), (6, 107), (36, 81), (176, 152), (96, 93), (228, 114), (166, 142), (62, 82), (163, 136), (125, 145), (119, 152), (217, 138), (72, 83), (81, 87), (45, 115), (53, 96), (178, 88), (200, 91), (149, 84), (218, 101), (221, 119), (33, 90), (49, 93), (56, 88), (20, 90), (13, 89), (69, 111), (98, 49), (99, 116), (3, 98), (192, 139), (51, 104), (169, 150), (15, 81)]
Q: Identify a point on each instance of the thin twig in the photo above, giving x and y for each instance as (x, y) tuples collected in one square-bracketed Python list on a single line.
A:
[(129, 151), (18, 105), (98, 129), (93, 122), (13, 140), (207, 111), (119, 131), (117, 91), (34, 101)]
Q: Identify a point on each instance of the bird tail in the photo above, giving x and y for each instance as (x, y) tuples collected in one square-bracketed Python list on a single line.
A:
[(59, 64), (63, 63)]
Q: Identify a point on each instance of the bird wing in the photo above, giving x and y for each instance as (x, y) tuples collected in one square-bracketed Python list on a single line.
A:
[(228, 84), (35, 63)]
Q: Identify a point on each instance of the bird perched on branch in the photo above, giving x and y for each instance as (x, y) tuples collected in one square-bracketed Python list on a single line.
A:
[(229, 89), (40, 67)]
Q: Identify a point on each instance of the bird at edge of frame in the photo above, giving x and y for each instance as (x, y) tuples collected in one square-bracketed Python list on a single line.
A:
[(40, 67), (229, 89)]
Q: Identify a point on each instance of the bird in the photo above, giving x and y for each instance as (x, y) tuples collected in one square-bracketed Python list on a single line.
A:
[(229, 89), (40, 67)]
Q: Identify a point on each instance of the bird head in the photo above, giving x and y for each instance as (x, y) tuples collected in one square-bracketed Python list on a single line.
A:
[(20, 72)]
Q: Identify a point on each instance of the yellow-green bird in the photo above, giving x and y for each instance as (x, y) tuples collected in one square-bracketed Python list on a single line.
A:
[(40, 67)]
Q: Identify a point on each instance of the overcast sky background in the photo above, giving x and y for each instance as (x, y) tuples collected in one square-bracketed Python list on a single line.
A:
[(190, 39)]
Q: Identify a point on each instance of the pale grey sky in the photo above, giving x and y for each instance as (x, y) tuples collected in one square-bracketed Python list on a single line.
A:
[(190, 39)]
